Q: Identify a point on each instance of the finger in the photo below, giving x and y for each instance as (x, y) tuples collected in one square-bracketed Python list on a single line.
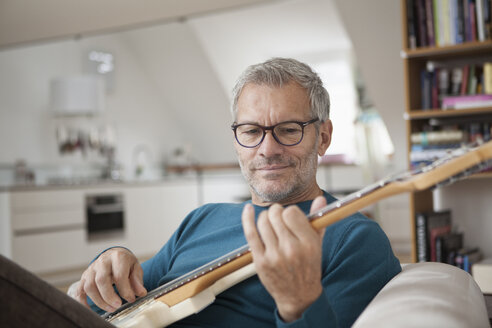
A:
[(104, 283), (250, 231), (296, 221), (136, 280), (77, 292), (265, 229), (90, 288), (121, 278), (318, 203), (282, 233)]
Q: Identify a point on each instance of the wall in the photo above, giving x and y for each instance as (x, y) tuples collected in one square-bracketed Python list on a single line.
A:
[(375, 30), (143, 109)]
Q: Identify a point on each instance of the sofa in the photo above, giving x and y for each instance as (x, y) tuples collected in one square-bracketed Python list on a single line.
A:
[(427, 294), (422, 295)]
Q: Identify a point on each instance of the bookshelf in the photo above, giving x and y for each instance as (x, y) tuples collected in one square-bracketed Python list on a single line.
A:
[(439, 65)]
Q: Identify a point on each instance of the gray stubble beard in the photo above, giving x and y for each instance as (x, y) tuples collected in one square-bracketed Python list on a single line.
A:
[(296, 186)]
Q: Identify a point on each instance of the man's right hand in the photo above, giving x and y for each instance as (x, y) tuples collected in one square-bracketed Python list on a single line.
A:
[(115, 266)]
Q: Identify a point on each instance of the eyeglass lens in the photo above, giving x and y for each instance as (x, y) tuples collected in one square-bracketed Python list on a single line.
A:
[(288, 133)]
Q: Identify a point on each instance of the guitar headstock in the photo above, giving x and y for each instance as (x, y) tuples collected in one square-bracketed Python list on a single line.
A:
[(457, 165)]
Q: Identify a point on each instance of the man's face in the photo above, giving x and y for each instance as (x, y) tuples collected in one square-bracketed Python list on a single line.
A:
[(277, 173)]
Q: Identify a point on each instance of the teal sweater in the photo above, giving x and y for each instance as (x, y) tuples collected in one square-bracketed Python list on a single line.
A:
[(357, 263)]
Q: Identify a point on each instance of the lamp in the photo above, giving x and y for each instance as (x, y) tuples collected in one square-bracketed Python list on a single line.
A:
[(77, 95)]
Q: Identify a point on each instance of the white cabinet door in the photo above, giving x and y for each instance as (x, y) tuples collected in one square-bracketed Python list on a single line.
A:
[(47, 229), (51, 251), (153, 213), (231, 188)]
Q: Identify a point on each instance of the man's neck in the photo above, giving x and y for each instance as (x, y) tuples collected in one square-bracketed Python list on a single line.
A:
[(297, 198)]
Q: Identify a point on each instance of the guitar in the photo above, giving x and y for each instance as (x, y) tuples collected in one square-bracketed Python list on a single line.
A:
[(196, 290)]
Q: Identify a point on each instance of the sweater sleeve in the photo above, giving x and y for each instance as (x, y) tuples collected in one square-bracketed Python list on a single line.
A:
[(354, 271), (318, 312)]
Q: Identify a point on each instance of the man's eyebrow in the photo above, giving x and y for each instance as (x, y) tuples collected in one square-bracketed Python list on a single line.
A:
[(249, 122)]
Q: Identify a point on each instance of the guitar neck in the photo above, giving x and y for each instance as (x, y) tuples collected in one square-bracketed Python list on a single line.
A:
[(457, 165)]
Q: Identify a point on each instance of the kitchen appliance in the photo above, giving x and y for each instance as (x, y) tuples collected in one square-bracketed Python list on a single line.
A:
[(105, 215)]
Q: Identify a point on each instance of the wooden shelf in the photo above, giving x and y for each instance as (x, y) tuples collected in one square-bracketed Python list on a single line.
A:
[(415, 61), (436, 113), (476, 47)]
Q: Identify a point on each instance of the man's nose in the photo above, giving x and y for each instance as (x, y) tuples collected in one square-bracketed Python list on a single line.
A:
[(269, 145)]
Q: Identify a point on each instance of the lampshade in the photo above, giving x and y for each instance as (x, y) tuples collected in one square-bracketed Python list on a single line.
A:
[(77, 95)]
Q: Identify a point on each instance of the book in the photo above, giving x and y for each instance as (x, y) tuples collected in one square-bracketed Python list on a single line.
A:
[(453, 20), (437, 137), (480, 20), (469, 101), (421, 23), (471, 258), (411, 30), (433, 234), (473, 20), (487, 17), (437, 22), (472, 80), (466, 20), (447, 246), (456, 79), (460, 23), (429, 22), (427, 78), (464, 82), (487, 78), (424, 223), (445, 12), (465, 258)]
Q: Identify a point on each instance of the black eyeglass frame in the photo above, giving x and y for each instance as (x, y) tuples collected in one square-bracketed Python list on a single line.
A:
[(271, 128)]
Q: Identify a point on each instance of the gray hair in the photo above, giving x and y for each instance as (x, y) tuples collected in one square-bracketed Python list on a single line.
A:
[(279, 71)]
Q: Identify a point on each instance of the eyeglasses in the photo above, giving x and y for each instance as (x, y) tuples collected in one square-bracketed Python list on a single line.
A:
[(288, 133)]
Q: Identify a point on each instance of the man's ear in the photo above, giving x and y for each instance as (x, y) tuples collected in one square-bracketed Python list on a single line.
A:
[(325, 132)]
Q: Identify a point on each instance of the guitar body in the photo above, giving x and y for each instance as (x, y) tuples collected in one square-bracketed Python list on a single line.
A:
[(157, 313)]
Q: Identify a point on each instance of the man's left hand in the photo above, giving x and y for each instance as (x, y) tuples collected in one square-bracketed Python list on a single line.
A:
[(287, 256)]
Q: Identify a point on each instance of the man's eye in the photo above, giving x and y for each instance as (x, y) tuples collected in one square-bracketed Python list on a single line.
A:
[(288, 130), (251, 131)]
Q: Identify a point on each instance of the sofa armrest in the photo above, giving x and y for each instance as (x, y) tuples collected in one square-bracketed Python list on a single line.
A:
[(427, 295)]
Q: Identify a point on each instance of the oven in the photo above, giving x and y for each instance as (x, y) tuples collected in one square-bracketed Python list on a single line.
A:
[(105, 215)]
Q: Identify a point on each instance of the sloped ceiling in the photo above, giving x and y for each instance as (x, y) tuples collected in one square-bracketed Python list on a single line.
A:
[(173, 59), (27, 21)]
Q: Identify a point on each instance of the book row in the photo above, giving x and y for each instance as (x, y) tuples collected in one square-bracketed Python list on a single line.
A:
[(436, 241), (439, 23), (430, 145), (460, 86)]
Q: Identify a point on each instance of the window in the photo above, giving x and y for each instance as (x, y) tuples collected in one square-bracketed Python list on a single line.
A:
[(338, 78)]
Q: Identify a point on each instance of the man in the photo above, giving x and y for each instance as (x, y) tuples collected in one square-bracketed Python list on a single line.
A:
[(306, 278)]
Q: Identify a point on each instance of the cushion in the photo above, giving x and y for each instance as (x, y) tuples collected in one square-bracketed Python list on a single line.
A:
[(427, 295)]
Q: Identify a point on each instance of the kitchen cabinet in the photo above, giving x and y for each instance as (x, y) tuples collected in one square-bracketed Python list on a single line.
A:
[(45, 229)]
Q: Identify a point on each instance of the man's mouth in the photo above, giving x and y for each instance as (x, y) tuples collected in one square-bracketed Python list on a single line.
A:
[(272, 167)]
